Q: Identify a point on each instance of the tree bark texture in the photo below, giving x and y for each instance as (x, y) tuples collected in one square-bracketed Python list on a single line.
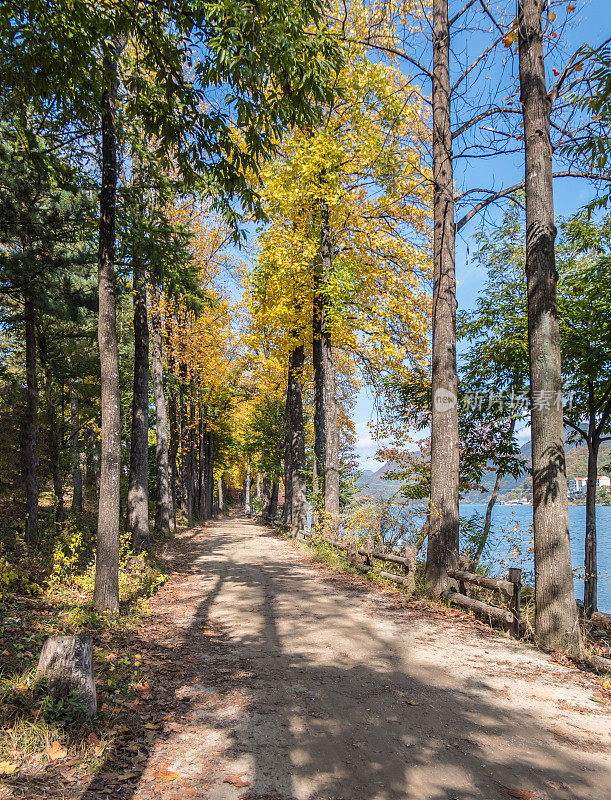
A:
[(319, 396), (209, 485), (163, 506), (273, 500), (556, 624), (75, 461), (173, 453), (442, 551), (221, 498), (591, 571), (106, 590), (202, 434), (491, 503), (67, 664), (193, 449), (30, 459), (288, 469), (137, 493), (297, 445), (326, 432), (185, 448), (247, 483), (54, 450)]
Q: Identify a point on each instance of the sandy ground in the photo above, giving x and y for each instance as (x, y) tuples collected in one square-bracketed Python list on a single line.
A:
[(297, 684)]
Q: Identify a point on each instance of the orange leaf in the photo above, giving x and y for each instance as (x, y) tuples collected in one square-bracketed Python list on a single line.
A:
[(167, 775), (55, 751), (236, 780)]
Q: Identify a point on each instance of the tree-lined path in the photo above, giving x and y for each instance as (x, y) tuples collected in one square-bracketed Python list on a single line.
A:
[(303, 683)]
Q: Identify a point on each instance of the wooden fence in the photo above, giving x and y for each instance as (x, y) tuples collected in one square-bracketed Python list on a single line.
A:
[(509, 616), (362, 559), (512, 589)]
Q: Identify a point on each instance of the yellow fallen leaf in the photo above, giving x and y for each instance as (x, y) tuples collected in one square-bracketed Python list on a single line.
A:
[(7, 767), (167, 775), (150, 726), (55, 751)]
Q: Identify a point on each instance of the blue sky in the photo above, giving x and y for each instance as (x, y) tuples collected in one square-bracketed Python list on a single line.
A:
[(591, 23)]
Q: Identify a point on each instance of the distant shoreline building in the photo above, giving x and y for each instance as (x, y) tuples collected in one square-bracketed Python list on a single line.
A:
[(579, 485)]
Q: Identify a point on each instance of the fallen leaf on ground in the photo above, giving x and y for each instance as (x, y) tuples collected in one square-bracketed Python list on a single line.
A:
[(411, 703), (167, 775), (236, 780), (128, 776), (55, 751), (522, 794), (7, 767)]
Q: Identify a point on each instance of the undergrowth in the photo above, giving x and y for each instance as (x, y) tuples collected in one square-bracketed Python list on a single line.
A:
[(48, 591)]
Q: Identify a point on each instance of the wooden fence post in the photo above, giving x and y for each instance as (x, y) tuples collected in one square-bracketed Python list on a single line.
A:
[(410, 567), (515, 576), (464, 563), (369, 551)]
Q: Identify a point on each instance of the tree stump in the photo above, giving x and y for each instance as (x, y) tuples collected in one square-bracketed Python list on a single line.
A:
[(67, 664)]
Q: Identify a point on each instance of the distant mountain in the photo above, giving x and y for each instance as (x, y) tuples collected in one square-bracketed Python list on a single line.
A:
[(373, 484), (576, 467)]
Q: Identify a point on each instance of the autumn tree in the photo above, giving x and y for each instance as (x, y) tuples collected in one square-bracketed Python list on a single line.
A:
[(335, 263)]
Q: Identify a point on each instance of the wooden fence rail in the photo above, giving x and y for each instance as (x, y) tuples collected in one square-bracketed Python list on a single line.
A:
[(365, 563), (512, 589), (362, 559), (598, 618)]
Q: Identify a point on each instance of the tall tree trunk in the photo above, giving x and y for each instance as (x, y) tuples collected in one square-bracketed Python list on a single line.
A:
[(487, 520), (298, 480), (315, 495), (491, 503), (221, 496), (201, 464), (192, 456), (258, 489), (30, 460), (326, 433), (288, 470), (54, 450), (247, 487), (556, 623), (174, 435), (273, 500), (185, 448), (163, 507), (591, 571), (137, 493), (106, 590), (442, 551), (94, 446), (77, 474), (210, 473)]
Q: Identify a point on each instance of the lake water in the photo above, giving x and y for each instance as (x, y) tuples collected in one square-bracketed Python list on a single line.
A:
[(511, 542)]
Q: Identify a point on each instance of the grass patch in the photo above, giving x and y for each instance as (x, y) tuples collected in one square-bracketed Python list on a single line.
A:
[(48, 591)]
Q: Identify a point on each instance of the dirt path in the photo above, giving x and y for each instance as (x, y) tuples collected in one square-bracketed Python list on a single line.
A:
[(298, 685)]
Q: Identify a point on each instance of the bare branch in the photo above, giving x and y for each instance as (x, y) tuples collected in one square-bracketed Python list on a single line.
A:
[(463, 10), (400, 53), (494, 196), (480, 58), (479, 117)]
